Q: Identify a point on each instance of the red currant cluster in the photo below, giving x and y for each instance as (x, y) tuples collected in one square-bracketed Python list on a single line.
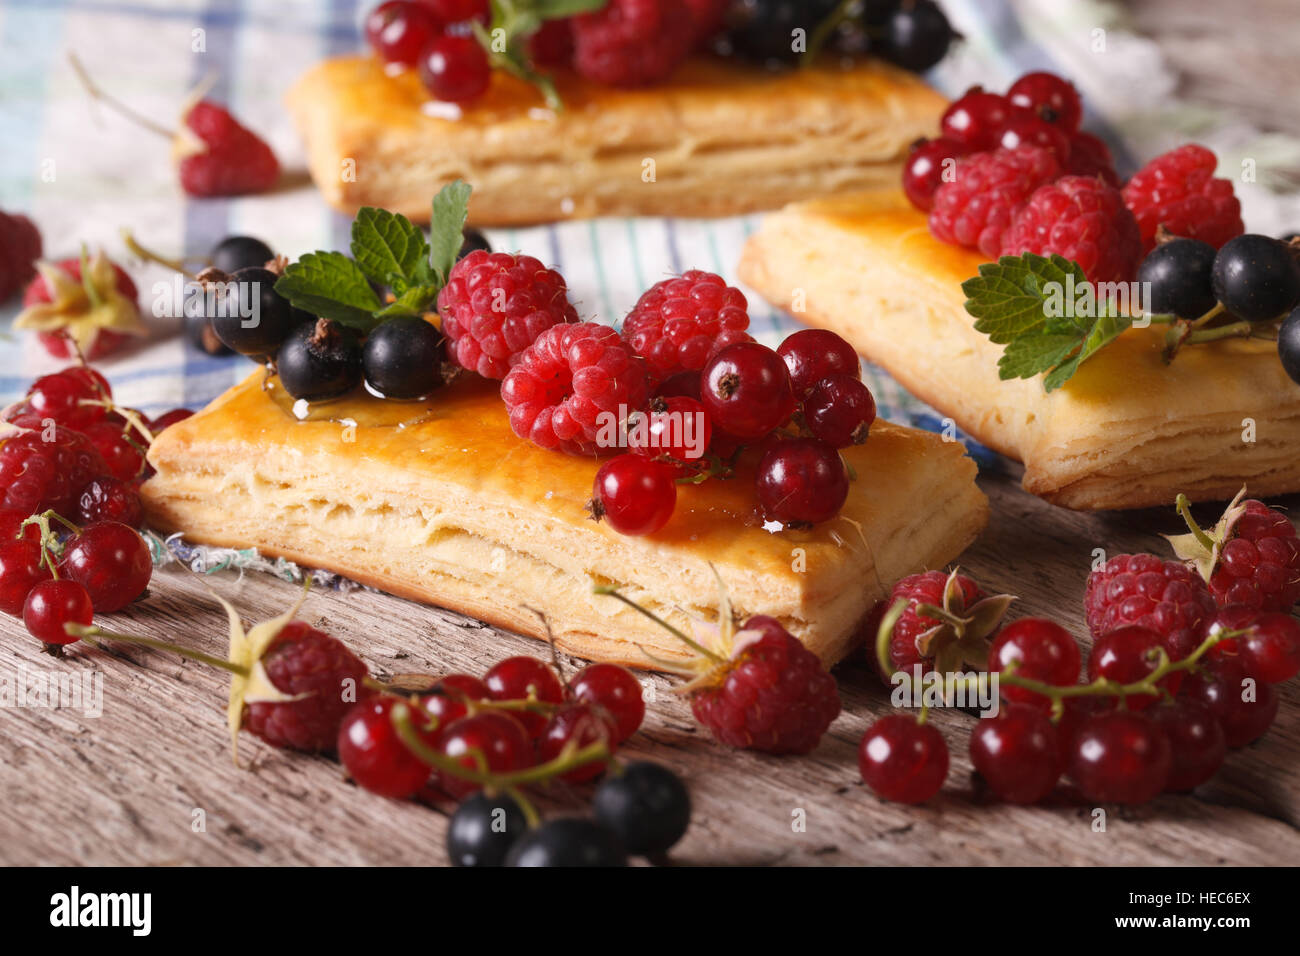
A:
[(1180, 671), (70, 466), (1014, 174)]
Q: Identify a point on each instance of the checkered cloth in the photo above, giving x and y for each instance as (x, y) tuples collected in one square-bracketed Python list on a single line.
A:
[(84, 173)]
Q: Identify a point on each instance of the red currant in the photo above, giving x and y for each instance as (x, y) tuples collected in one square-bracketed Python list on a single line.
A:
[(20, 571), (802, 481), (746, 390), (810, 355), (1120, 757), (1017, 753), (1032, 131), (677, 427), (121, 448), (111, 561), (614, 689), (635, 495), (929, 164), (1126, 655), (681, 385), (455, 68), (169, 418), (1042, 650), (1234, 617), (52, 604), (1196, 741), (1049, 97), (519, 678), (583, 725), (1074, 714), (452, 696), (374, 755), (976, 119), (399, 30), (110, 499), (60, 396), (839, 410), (1270, 649), (902, 760), (457, 11), (490, 740), (1244, 706)]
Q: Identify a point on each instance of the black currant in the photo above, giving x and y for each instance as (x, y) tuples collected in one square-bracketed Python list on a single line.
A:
[(916, 36), (475, 241), (1177, 278), (483, 829), (240, 252), (319, 361), (199, 332), (646, 805), (248, 314), (1256, 277), (1288, 344), (403, 357), (763, 30), (567, 841)]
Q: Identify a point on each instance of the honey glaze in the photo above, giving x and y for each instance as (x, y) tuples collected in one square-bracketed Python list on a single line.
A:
[(359, 407)]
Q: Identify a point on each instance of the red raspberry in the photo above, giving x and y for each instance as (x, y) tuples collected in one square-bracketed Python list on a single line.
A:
[(772, 695), (989, 189), (1142, 590), (106, 341), (567, 382), (552, 45), (1090, 156), (495, 304), (312, 667), (232, 161), (679, 324), (20, 247), (632, 42), (1178, 190), (1082, 219), (1259, 566), (916, 638), (707, 17), (37, 475)]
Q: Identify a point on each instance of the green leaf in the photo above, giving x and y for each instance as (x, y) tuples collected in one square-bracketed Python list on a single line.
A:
[(446, 232), (331, 285), (390, 249), (1031, 355), (1105, 329), (414, 301)]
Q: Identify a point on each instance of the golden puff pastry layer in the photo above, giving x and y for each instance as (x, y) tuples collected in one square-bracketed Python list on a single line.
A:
[(717, 138), (443, 504), (1127, 431)]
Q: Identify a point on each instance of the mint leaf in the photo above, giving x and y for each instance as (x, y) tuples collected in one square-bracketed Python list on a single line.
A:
[(330, 285), (414, 301), (1105, 329), (446, 231), (504, 39), (390, 249)]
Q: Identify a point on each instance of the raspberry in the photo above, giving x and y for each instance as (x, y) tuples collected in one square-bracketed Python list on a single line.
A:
[(312, 667), (679, 324), (95, 340), (924, 588), (20, 247), (706, 17), (632, 42), (495, 305), (232, 161), (772, 695), (989, 189), (1178, 190), (1141, 589), (919, 639), (37, 475), (1259, 566), (569, 381), (1090, 156), (1082, 219)]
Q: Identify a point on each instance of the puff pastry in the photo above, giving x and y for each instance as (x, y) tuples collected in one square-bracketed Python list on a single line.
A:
[(1126, 431), (442, 503), (724, 138)]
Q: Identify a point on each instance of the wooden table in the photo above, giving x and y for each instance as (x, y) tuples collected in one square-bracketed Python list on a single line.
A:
[(128, 787)]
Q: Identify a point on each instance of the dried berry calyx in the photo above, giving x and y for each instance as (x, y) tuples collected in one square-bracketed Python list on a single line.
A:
[(1200, 547), (82, 307), (960, 636)]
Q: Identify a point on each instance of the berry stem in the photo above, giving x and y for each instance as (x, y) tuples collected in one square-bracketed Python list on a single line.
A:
[(1184, 508), (91, 292), (1240, 329), (148, 255), (93, 634), (48, 542), (132, 418), (823, 31), (680, 635), (97, 94)]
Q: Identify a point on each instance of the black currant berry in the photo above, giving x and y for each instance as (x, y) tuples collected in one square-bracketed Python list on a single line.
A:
[(483, 829), (475, 241), (1256, 277), (319, 361), (249, 315), (240, 252), (646, 805), (1179, 277), (199, 333), (567, 841), (403, 358), (763, 30), (917, 35), (1288, 344)]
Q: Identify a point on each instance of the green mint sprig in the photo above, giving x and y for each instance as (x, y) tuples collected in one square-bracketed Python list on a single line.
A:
[(513, 22), (389, 250)]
